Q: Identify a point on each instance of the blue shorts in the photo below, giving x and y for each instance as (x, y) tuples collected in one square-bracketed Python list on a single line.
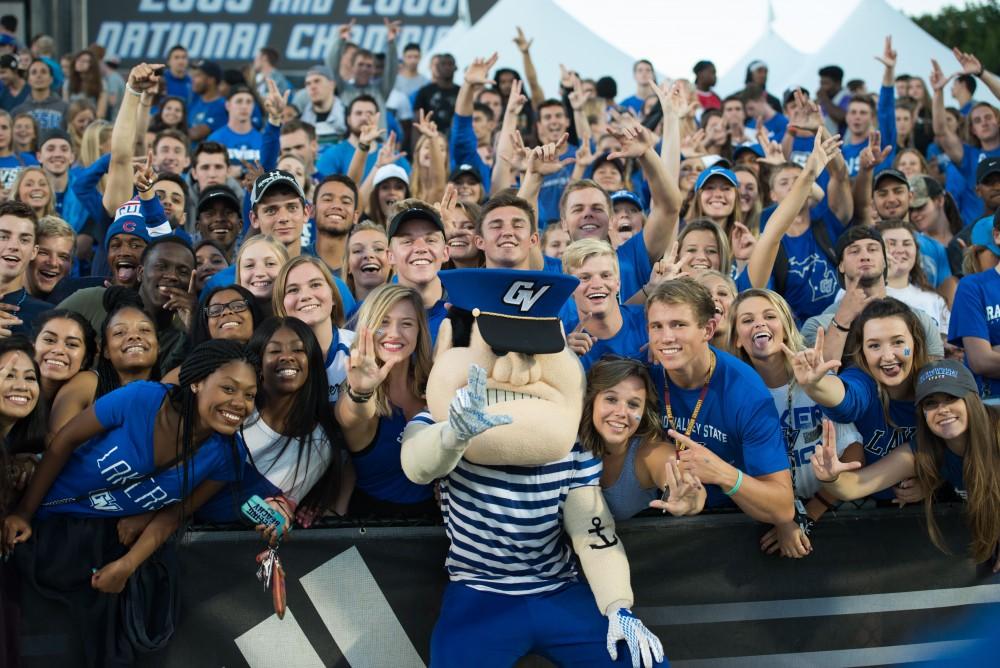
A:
[(484, 629)]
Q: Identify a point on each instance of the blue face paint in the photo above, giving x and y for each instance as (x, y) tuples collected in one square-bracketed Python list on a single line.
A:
[(906, 352)]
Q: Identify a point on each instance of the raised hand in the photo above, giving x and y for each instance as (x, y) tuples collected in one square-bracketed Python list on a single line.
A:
[(275, 102), (693, 145), (251, 172), (183, 302), (808, 365), (668, 267), (888, 57), (970, 64), (825, 462), (685, 494), (345, 30), (580, 340), (584, 156), (937, 79), (806, 114), (825, 149), (388, 153), (364, 373), (643, 645), (578, 96), (467, 414), (516, 100), (143, 77), (522, 42), (143, 175), (478, 73), (447, 208), (635, 139), (565, 77), (371, 133), (392, 29), (425, 124), (544, 160), (872, 156), (854, 301), (742, 241), (519, 155)]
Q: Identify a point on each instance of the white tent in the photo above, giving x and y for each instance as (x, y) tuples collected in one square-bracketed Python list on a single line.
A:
[(558, 38), (781, 58)]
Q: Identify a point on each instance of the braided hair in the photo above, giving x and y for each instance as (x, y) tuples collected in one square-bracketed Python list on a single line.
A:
[(116, 298), (203, 361)]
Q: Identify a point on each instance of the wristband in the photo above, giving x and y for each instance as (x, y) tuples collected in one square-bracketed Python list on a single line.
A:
[(132, 91), (829, 506), (833, 321), (359, 398), (364, 147), (141, 190), (739, 481)]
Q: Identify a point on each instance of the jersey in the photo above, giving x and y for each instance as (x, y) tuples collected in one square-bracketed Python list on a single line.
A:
[(802, 425), (863, 406), (380, 473), (124, 451), (976, 313), (737, 421), (243, 146), (505, 526)]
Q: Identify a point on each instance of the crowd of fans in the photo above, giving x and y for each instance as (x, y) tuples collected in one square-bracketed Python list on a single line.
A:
[(216, 285)]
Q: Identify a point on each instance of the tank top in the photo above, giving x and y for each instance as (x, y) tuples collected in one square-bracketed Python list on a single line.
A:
[(626, 498), (380, 473)]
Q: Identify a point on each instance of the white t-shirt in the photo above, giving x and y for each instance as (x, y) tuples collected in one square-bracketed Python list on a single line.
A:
[(288, 472), (929, 302), (806, 427), (336, 361)]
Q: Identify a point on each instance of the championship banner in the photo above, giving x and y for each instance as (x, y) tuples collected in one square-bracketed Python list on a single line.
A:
[(875, 591), (231, 32)]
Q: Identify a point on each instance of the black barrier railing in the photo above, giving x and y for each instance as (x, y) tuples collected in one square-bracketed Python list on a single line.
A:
[(368, 594)]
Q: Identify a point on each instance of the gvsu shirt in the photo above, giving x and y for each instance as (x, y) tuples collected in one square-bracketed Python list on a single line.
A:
[(124, 452), (737, 421), (976, 313)]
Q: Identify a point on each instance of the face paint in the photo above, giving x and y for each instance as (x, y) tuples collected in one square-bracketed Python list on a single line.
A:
[(906, 352)]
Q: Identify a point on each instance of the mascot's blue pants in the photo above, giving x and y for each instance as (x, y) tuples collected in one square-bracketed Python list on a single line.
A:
[(489, 630)]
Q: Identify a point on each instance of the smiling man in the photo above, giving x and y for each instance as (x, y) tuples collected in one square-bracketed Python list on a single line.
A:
[(220, 218), (55, 153), (336, 202), (506, 232), (56, 241), (17, 248), (417, 249)]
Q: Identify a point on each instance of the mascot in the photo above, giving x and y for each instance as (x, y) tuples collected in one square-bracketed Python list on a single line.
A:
[(505, 397)]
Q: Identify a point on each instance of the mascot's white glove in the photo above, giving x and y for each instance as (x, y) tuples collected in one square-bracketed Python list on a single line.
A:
[(466, 414), (623, 625)]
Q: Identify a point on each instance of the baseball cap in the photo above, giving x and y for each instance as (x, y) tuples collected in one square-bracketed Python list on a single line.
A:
[(756, 149), (923, 189), (465, 169), (53, 133), (392, 171), (982, 234), (128, 220), (756, 65), (516, 310), (218, 194), (887, 174), (854, 234), (716, 170), (986, 167), (626, 196), (321, 70), (947, 376), (419, 212), (8, 61), (210, 68), (269, 180)]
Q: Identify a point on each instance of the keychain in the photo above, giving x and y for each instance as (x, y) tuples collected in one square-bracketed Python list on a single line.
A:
[(271, 573)]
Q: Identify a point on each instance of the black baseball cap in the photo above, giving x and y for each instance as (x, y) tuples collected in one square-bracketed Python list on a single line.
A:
[(268, 180), (53, 133), (218, 194), (465, 169), (890, 174), (417, 212), (986, 167), (946, 376), (8, 61), (210, 68), (854, 234)]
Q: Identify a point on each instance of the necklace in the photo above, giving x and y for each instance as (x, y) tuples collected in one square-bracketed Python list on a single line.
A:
[(697, 405)]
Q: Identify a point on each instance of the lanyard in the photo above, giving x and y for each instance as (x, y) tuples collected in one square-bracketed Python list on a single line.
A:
[(790, 442), (697, 405)]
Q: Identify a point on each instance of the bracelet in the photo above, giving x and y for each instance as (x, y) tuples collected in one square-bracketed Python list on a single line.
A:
[(829, 482), (132, 91), (364, 147), (646, 294), (359, 398), (140, 190), (829, 506), (833, 321), (739, 481)]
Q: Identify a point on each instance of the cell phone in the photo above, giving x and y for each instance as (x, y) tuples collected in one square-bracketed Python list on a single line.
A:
[(158, 69), (259, 512)]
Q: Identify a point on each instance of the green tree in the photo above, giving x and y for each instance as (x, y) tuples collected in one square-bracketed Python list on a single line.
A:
[(974, 28)]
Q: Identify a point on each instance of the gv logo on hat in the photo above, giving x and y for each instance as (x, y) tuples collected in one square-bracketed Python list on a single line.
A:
[(523, 295)]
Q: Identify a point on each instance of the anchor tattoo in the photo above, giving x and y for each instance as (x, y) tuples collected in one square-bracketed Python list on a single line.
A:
[(597, 531)]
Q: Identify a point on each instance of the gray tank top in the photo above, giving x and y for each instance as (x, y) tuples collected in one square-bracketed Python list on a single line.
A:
[(626, 498)]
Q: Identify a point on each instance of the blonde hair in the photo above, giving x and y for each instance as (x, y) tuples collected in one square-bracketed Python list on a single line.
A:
[(721, 240), (792, 336), (97, 133), (580, 251), (278, 248), (281, 283), (53, 227), (373, 311), (50, 208), (345, 264)]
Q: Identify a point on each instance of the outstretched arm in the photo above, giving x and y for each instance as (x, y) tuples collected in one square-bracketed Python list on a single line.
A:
[(524, 46), (118, 187), (971, 65), (947, 139), (848, 480), (503, 171)]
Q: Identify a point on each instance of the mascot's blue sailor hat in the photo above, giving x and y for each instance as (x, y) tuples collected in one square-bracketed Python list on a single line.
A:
[(516, 310)]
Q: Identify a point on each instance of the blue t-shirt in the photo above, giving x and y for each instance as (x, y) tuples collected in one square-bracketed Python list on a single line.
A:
[(886, 113), (11, 165), (634, 267), (435, 314), (380, 472), (124, 451), (8, 101), (242, 146), (971, 157), (178, 86), (28, 310), (951, 469), (776, 127), (737, 421), (862, 406), (336, 159), (228, 277), (633, 102), (976, 313), (628, 342), (213, 114), (552, 189), (933, 260)]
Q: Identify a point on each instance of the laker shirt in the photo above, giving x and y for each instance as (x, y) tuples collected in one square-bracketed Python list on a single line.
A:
[(123, 452), (737, 420), (976, 313)]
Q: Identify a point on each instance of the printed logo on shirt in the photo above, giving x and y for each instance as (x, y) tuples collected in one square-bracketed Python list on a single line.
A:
[(244, 153), (700, 429), (993, 312), (105, 501), (816, 266), (7, 176), (900, 436)]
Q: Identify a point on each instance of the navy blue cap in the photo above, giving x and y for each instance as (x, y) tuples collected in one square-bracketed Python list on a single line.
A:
[(946, 376), (626, 196), (516, 310), (716, 170), (128, 220)]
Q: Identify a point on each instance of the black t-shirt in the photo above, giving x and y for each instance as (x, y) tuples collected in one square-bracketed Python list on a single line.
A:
[(28, 311), (440, 102)]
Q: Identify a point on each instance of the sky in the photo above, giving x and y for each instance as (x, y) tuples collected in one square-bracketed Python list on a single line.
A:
[(918, 7)]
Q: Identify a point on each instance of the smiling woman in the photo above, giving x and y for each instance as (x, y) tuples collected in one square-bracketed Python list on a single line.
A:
[(65, 345), (32, 187)]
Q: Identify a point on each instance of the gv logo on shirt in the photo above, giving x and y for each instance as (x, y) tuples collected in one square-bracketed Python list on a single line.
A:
[(522, 295)]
